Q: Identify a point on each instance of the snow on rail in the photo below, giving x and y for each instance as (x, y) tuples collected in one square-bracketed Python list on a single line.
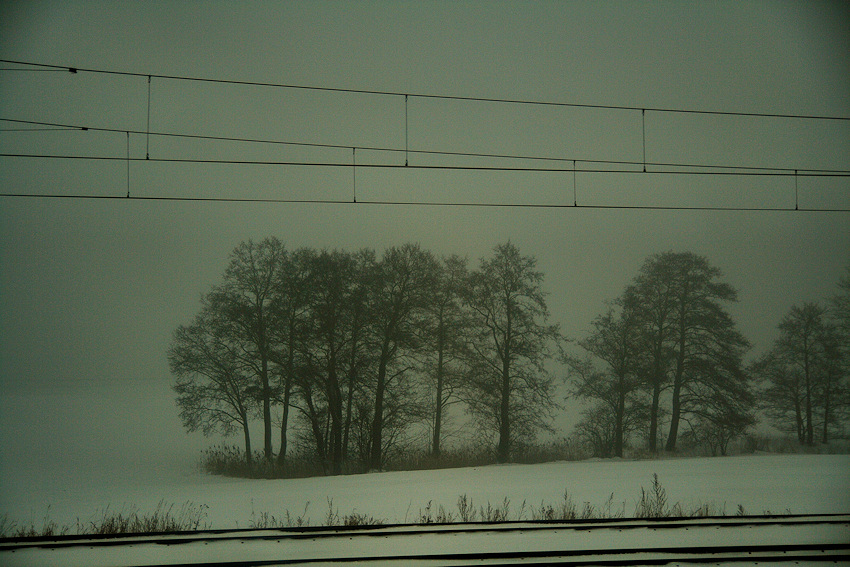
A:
[(800, 539)]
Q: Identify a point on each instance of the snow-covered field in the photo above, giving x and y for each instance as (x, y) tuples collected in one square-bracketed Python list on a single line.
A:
[(760, 483)]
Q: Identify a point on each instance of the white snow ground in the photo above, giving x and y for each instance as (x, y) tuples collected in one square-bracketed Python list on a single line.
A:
[(729, 541), (803, 484)]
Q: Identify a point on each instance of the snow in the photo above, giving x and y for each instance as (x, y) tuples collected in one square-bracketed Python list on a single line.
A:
[(501, 543), (803, 484)]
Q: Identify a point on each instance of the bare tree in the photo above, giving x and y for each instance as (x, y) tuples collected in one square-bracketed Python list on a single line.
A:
[(652, 291), (694, 343), (510, 390), (359, 361), (213, 386), (401, 283), (332, 314), (444, 334), (840, 317), (782, 392), (243, 301), (804, 374), (614, 340), (291, 310), (800, 331), (840, 308)]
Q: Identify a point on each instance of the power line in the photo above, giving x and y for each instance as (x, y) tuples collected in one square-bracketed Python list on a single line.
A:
[(384, 203), (61, 126), (422, 95), (209, 161), (38, 129)]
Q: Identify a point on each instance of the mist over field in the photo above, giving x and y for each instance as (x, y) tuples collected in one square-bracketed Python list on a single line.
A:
[(126, 184)]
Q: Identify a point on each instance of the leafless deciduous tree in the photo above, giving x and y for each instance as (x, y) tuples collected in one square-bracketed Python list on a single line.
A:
[(805, 374), (615, 340), (695, 348), (446, 326), (214, 385), (401, 284), (510, 390), (243, 302)]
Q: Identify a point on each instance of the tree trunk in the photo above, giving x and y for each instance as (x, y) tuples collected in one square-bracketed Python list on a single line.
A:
[(316, 427), (810, 427), (438, 418), (653, 417), (504, 451), (347, 427), (618, 423), (656, 393), (335, 416), (438, 410), (675, 412), (676, 409), (287, 392), (352, 380), (267, 409), (376, 456), (249, 459), (798, 412), (825, 439)]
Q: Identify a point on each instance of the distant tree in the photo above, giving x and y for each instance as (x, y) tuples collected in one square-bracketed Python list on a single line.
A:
[(243, 302), (694, 343), (597, 430), (291, 315), (805, 374), (840, 308), (799, 343), (446, 325), (510, 390), (721, 411), (839, 355), (401, 283), (331, 351), (831, 392), (334, 305), (652, 292), (615, 341), (782, 392), (359, 359), (213, 385)]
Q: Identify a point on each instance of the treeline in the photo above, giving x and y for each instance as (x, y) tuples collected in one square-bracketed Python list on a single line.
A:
[(362, 348), (667, 353), (804, 376), (358, 355)]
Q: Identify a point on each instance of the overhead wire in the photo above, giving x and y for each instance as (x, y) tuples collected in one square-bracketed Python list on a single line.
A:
[(445, 167), (382, 202), (174, 77), (684, 168), (526, 157)]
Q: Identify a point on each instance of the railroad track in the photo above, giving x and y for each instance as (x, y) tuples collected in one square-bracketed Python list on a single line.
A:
[(792, 540)]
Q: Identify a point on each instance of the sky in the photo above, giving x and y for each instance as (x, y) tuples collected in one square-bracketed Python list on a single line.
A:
[(91, 290)]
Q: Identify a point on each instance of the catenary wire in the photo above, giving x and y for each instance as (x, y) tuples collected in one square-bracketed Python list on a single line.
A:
[(75, 70), (62, 126), (425, 203), (208, 161)]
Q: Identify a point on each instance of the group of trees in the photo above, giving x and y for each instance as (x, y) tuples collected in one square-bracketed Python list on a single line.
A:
[(667, 340), (805, 373), (362, 348), (366, 350), (668, 351)]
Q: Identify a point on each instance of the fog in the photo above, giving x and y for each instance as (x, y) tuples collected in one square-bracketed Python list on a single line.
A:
[(91, 290)]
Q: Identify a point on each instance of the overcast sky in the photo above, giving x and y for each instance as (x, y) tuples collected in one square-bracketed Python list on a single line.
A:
[(91, 290)]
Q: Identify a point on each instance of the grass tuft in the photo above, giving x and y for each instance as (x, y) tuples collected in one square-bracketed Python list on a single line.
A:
[(189, 517), (653, 503)]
